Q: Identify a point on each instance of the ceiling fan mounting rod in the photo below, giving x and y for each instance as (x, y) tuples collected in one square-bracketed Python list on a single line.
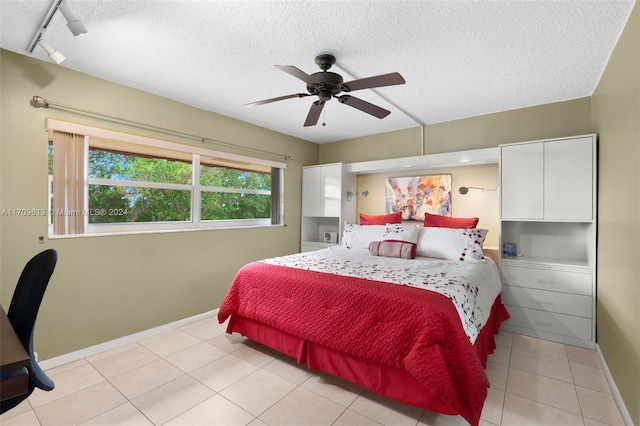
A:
[(325, 61)]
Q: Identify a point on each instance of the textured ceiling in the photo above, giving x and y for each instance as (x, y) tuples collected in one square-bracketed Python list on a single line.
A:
[(459, 58)]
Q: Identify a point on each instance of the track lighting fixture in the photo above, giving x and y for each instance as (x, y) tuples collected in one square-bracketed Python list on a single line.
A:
[(54, 55), (74, 24)]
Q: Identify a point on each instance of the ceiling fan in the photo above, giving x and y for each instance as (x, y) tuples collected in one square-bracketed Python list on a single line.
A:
[(327, 85)]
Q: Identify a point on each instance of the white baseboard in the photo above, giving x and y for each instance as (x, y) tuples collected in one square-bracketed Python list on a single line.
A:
[(614, 389), (93, 350)]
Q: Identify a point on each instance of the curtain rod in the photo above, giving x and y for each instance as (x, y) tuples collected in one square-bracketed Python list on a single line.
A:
[(39, 101)]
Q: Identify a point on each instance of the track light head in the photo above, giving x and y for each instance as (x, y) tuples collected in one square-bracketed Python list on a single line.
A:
[(54, 55), (75, 25)]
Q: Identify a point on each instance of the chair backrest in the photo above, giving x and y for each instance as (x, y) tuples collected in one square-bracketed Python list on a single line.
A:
[(28, 295), (22, 314)]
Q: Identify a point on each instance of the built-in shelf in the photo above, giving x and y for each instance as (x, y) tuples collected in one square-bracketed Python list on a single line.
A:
[(548, 209)]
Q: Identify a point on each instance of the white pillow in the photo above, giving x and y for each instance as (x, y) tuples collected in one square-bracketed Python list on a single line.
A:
[(397, 232), (394, 232), (359, 236), (451, 243)]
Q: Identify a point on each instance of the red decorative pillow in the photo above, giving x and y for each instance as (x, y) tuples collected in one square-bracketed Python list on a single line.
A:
[(383, 219), (437, 221)]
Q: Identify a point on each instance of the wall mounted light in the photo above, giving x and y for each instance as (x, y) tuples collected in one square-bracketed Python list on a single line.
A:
[(465, 189), (54, 54), (365, 193)]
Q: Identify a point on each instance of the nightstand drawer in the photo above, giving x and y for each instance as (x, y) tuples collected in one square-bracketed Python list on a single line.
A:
[(565, 303), (564, 325), (547, 279)]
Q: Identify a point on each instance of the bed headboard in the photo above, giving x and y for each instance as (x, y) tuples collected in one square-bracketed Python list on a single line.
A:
[(494, 254)]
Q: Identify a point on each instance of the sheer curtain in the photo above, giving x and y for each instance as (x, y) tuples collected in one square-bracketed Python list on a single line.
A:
[(69, 209)]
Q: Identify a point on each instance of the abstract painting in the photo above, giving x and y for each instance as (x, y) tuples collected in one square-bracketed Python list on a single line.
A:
[(413, 196)]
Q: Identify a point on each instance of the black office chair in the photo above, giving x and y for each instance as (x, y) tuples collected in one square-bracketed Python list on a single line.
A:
[(22, 314)]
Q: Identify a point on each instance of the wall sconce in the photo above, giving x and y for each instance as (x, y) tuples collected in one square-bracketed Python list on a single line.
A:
[(349, 195), (465, 189), (365, 193)]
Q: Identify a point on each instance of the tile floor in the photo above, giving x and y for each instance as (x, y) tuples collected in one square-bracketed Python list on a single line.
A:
[(198, 375)]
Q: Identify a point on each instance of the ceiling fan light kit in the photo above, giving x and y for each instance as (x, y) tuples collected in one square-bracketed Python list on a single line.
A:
[(326, 85)]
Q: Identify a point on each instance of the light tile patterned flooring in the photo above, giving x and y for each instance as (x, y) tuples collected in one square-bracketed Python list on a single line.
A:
[(198, 375)]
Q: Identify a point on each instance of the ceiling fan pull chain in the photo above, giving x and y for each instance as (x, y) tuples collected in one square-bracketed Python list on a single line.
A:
[(324, 111)]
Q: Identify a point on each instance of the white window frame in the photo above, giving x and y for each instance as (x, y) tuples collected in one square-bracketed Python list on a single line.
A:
[(196, 189)]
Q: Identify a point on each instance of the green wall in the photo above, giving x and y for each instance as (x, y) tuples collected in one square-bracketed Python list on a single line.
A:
[(616, 119), (107, 287)]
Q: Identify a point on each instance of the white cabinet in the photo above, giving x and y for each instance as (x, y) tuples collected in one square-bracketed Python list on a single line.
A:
[(522, 182), (548, 180), (553, 301), (326, 204), (548, 209), (569, 172)]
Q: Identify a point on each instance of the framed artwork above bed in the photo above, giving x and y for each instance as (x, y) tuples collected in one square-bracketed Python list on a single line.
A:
[(413, 196)]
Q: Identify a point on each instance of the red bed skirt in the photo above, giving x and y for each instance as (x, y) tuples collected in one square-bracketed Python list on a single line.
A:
[(392, 382)]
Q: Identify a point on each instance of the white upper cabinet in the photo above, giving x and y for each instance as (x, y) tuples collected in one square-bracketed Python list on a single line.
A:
[(568, 179), (522, 181), (322, 190), (548, 180)]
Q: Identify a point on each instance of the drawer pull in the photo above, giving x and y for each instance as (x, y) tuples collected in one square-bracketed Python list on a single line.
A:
[(549, 323), (545, 281), (545, 302)]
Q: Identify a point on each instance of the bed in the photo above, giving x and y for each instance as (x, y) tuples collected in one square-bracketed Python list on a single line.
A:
[(414, 329)]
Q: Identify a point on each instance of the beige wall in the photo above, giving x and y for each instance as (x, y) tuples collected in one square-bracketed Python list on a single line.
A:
[(616, 119), (112, 286)]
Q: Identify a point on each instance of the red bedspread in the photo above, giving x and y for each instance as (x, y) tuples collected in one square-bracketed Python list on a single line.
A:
[(394, 325)]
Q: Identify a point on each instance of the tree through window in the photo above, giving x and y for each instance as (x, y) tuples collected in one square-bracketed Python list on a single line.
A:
[(162, 186)]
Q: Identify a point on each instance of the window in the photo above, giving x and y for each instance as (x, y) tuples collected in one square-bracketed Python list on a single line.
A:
[(109, 182)]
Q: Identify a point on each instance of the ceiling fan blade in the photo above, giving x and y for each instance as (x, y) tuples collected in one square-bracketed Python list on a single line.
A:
[(314, 114), (279, 98), (390, 79), (363, 106), (290, 69)]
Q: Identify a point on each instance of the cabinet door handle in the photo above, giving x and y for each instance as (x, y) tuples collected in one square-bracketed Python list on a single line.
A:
[(544, 302), (545, 281), (549, 323)]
